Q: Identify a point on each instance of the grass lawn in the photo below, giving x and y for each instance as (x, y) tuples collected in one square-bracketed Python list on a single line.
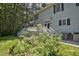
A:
[(66, 50), (7, 42)]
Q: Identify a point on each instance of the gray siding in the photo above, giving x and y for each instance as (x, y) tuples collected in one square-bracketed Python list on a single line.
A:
[(70, 11)]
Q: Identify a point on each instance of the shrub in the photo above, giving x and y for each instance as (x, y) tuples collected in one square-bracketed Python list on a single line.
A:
[(41, 45)]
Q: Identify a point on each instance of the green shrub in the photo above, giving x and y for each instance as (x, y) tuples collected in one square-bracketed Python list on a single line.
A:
[(41, 45)]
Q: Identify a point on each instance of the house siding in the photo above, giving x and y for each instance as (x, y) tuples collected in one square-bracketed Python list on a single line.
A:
[(70, 11)]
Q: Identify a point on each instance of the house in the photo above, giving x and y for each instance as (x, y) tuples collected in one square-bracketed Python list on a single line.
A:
[(63, 17)]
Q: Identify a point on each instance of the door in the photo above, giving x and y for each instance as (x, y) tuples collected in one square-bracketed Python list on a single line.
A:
[(48, 25)]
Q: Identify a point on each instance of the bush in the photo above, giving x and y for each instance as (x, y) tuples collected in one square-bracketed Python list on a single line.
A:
[(41, 45)]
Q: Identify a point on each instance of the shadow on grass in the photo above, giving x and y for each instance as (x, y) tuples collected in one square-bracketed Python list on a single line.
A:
[(5, 38)]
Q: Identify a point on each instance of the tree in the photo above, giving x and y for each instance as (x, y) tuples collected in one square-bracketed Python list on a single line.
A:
[(11, 18)]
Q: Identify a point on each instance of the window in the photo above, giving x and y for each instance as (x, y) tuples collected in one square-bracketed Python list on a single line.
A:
[(68, 21), (63, 22), (59, 22), (56, 8), (62, 6), (77, 4)]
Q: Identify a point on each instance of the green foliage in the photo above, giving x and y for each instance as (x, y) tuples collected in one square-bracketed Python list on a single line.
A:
[(34, 47), (12, 18), (41, 45), (6, 43), (67, 50)]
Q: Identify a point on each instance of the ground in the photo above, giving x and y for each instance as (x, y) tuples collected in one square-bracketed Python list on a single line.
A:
[(7, 42), (67, 50)]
